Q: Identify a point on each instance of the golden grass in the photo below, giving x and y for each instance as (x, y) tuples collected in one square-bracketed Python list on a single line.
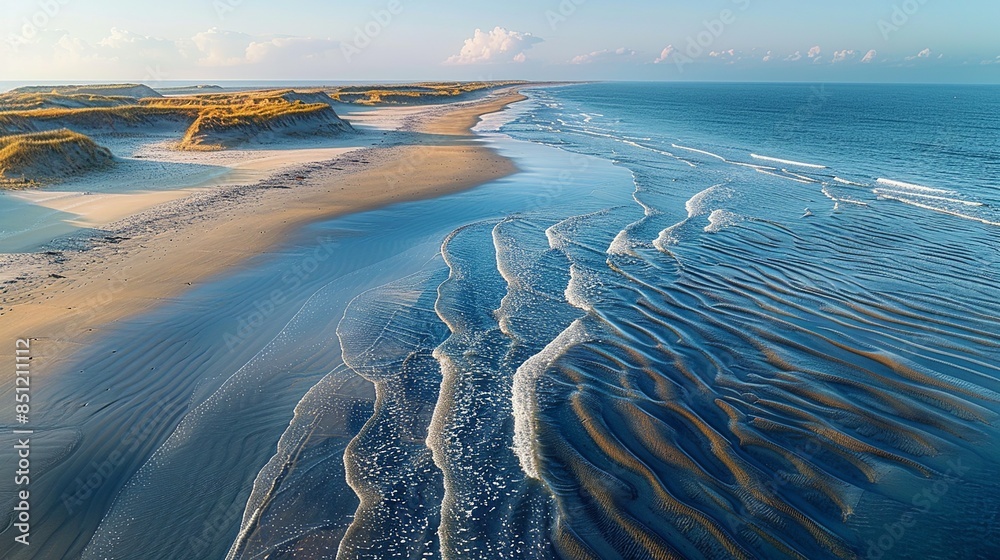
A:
[(46, 154), (256, 114), (409, 93), (36, 108), (29, 101), (256, 104), (252, 106), (215, 115), (77, 88)]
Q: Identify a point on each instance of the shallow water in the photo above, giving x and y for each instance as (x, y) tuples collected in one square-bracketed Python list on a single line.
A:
[(648, 344)]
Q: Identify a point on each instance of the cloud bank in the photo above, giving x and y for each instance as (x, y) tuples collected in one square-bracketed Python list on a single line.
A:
[(498, 45)]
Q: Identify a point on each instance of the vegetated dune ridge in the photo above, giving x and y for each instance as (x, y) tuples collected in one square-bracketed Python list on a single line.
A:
[(207, 122), (123, 91), (203, 122), (213, 120), (135, 91), (27, 158), (424, 93), (264, 117), (85, 109), (235, 118), (407, 94)]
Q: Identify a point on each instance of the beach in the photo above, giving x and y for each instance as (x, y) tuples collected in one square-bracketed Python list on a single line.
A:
[(479, 281), (62, 299), (649, 331)]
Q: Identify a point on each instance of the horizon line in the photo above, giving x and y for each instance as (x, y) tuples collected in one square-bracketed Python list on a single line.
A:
[(197, 81)]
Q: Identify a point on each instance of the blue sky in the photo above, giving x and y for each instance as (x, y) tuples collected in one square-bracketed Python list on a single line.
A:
[(734, 40)]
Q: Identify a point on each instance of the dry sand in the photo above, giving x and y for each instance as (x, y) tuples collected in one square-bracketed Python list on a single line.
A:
[(63, 299), (98, 210)]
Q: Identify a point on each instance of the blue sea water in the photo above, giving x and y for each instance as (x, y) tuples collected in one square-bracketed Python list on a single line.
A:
[(704, 321), (791, 335)]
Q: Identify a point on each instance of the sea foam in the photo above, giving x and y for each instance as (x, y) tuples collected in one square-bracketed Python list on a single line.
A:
[(788, 162), (913, 187), (525, 397)]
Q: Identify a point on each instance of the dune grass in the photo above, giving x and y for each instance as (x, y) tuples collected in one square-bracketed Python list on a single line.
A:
[(412, 93), (110, 109), (197, 112), (29, 101), (252, 106), (219, 119), (28, 159), (19, 109), (37, 145)]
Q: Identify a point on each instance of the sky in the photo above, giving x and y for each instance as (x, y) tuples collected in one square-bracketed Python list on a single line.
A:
[(335, 40)]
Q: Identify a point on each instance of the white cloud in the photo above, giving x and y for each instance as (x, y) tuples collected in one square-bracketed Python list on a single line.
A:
[(926, 53), (731, 53), (815, 52), (870, 57), (301, 48), (603, 55), (218, 47), (126, 44), (767, 57), (795, 57), (499, 45), (120, 38), (667, 52), (72, 49), (844, 55), (124, 55)]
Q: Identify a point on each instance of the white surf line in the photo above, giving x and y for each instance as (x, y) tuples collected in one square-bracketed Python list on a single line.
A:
[(838, 200), (803, 177), (752, 166), (629, 142), (703, 152), (788, 162), (913, 187), (760, 168), (846, 182), (784, 177), (718, 157), (642, 147), (927, 196), (941, 210)]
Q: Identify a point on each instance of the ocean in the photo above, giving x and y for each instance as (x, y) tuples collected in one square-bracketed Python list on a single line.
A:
[(704, 321)]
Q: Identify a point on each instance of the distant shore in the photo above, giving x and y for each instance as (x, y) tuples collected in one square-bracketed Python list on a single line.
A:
[(60, 299)]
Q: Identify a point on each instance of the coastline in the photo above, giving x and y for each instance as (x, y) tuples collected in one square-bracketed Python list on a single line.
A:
[(60, 299)]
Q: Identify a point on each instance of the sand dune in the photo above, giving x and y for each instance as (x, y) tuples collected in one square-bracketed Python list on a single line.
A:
[(135, 91), (226, 130), (202, 122), (48, 156)]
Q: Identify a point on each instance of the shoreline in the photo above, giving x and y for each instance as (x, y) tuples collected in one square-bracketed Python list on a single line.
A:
[(62, 298)]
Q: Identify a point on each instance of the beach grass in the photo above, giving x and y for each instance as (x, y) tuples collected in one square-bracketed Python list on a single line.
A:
[(27, 158), (412, 93), (204, 122)]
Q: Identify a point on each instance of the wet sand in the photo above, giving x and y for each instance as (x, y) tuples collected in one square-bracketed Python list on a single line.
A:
[(61, 299)]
